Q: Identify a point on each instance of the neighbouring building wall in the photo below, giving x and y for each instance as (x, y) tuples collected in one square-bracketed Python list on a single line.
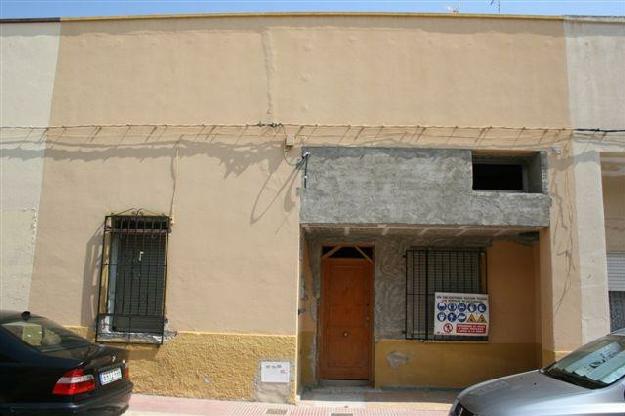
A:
[(613, 185), (575, 301), (575, 284), (562, 305), (27, 70), (595, 50), (591, 255)]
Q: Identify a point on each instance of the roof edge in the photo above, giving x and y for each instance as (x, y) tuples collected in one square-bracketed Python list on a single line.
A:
[(595, 19), (567, 18), (32, 20), (285, 14)]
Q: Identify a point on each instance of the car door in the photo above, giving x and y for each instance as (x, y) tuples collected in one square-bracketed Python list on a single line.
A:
[(608, 401)]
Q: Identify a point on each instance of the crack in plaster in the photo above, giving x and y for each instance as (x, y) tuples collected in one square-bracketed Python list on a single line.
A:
[(270, 68)]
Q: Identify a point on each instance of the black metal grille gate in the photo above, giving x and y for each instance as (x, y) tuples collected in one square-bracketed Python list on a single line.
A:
[(431, 270), (133, 275)]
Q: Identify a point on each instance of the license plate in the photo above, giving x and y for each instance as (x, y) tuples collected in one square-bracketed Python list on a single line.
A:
[(110, 376)]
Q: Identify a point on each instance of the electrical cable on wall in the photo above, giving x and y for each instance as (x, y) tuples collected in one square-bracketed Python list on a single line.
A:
[(304, 161), (259, 124), (175, 170)]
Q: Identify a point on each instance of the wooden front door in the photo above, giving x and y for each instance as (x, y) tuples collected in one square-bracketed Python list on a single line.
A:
[(346, 311)]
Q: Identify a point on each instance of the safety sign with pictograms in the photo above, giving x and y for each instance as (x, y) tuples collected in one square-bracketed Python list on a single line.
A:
[(461, 314)]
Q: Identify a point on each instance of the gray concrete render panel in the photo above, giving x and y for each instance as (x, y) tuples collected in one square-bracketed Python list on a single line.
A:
[(347, 185)]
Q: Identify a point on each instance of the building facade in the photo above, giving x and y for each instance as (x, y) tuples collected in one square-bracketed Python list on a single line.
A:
[(254, 204)]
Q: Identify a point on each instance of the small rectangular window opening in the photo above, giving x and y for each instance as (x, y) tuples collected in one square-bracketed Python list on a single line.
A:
[(509, 172), (348, 252), (492, 176)]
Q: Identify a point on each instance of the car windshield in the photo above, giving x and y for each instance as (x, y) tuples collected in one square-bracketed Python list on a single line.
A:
[(43, 334), (595, 365)]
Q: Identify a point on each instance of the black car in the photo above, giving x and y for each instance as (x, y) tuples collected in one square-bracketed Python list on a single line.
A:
[(47, 370)]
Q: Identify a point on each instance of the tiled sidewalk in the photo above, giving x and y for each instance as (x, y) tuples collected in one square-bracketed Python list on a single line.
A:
[(144, 405)]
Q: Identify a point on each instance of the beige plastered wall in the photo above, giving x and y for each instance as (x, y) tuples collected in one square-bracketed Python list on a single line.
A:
[(233, 249), (331, 69), (232, 252), (235, 198)]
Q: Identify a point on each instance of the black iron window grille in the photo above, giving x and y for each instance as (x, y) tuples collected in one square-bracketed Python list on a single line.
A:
[(431, 270), (131, 302)]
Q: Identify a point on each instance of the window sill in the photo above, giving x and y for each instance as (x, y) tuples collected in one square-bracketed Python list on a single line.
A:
[(451, 341), (505, 191), (133, 337), (456, 342)]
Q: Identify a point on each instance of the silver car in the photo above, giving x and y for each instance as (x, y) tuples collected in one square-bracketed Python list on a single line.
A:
[(588, 381)]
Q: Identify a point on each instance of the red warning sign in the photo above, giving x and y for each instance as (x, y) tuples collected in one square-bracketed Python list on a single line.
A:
[(471, 329)]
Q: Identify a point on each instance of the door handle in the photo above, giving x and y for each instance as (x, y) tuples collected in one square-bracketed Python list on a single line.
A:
[(345, 334)]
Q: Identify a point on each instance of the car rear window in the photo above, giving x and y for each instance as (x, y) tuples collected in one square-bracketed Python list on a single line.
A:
[(43, 334)]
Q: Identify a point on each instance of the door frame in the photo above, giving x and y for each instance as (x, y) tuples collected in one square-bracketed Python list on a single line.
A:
[(321, 317)]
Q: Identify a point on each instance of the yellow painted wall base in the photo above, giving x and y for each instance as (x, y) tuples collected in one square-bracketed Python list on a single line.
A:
[(549, 356), (449, 364), (206, 365)]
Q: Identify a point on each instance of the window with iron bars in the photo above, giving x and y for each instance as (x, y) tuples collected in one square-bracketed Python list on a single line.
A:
[(431, 270), (133, 276)]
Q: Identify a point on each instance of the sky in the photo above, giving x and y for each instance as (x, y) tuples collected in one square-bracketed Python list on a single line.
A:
[(73, 8)]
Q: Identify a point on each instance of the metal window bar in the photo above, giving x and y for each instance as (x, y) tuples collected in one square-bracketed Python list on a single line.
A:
[(435, 269), (133, 276)]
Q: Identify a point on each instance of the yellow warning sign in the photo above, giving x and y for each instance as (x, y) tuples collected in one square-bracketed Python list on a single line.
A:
[(472, 318), (481, 319)]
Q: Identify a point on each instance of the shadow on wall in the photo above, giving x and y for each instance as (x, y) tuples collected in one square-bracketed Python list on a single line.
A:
[(242, 150), (236, 150), (91, 282)]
